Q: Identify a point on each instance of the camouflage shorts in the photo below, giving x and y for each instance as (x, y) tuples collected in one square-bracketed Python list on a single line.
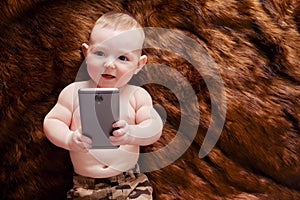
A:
[(128, 185)]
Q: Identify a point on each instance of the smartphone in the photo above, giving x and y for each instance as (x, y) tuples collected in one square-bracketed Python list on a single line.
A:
[(99, 109)]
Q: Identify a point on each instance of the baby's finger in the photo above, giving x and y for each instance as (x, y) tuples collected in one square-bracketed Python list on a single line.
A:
[(119, 132), (120, 123), (115, 140), (87, 146), (86, 140)]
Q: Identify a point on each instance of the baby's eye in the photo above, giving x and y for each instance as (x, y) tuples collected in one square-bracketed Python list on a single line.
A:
[(123, 58), (99, 53)]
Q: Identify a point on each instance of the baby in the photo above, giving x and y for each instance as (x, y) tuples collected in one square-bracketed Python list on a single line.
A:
[(113, 55)]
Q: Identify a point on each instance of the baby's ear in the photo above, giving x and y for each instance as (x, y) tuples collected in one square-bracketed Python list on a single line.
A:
[(84, 48), (141, 63)]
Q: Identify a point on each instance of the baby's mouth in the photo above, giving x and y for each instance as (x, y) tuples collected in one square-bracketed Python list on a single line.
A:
[(108, 76)]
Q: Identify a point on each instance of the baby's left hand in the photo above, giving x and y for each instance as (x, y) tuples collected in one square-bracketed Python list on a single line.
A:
[(121, 136)]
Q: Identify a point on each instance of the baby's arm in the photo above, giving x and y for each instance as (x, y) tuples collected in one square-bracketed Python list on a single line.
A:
[(148, 127), (58, 120)]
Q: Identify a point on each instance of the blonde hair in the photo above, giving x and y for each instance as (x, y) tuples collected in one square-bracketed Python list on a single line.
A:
[(119, 21)]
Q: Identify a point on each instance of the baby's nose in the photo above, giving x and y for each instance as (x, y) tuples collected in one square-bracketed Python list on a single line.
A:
[(109, 63)]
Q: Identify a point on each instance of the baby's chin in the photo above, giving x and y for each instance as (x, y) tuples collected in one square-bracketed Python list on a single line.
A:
[(104, 84)]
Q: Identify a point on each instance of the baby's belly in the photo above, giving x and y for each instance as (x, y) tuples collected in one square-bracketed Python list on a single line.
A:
[(103, 163)]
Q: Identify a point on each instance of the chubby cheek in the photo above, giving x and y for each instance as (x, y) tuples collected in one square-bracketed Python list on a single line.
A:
[(124, 78), (94, 69)]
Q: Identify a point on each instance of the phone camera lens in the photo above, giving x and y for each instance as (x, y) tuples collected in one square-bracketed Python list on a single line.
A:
[(98, 98)]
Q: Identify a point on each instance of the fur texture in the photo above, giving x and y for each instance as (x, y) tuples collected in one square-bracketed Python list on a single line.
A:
[(256, 47)]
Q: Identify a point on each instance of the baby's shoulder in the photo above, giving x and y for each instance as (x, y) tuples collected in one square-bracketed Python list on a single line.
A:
[(71, 90), (138, 94), (136, 90)]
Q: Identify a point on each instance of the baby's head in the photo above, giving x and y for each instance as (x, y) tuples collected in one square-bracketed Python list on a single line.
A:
[(114, 51), (120, 22)]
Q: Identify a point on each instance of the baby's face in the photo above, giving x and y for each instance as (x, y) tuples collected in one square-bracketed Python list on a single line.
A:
[(113, 56)]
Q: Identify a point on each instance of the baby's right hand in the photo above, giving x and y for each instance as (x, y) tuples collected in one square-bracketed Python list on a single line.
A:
[(78, 142)]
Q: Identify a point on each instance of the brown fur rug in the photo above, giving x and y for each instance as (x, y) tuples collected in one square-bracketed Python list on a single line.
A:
[(255, 45)]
